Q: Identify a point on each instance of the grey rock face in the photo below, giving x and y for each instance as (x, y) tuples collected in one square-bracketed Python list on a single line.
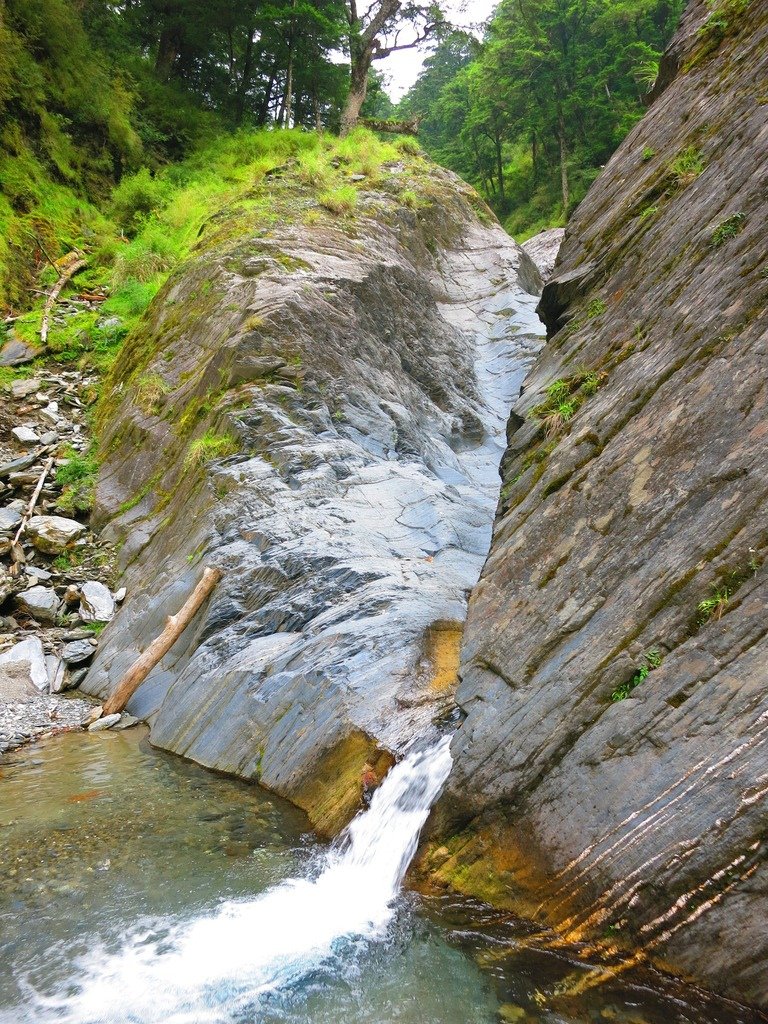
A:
[(96, 603), (53, 534), (368, 391), (638, 541), (39, 602)]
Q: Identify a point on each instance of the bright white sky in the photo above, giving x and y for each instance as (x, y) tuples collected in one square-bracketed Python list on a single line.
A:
[(403, 67)]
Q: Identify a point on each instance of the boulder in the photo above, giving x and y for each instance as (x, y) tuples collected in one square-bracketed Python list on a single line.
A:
[(53, 534), (104, 723), (24, 388), (96, 603), (77, 651), (15, 352), (39, 602), (9, 520), (23, 669), (25, 435)]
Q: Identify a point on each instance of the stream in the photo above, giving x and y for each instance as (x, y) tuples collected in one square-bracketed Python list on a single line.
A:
[(141, 888)]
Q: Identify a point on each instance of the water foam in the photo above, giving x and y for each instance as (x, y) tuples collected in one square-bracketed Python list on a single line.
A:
[(211, 969)]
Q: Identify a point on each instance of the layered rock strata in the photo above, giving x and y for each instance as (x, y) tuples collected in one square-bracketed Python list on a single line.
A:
[(611, 774), (319, 411)]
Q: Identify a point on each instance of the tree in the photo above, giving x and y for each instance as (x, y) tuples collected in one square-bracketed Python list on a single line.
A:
[(377, 33)]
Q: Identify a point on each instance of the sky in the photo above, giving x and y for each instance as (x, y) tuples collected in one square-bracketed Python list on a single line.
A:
[(403, 67)]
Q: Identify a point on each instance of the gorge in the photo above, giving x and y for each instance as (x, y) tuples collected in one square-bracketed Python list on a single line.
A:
[(491, 534)]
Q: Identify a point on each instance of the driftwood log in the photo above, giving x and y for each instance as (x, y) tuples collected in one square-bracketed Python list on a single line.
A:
[(408, 127), (67, 269), (159, 647)]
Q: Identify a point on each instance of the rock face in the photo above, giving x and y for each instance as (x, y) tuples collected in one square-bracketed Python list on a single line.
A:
[(612, 771), (543, 249), (322, 417)]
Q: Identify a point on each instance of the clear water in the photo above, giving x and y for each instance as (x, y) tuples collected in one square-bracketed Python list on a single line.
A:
[(139, 888)]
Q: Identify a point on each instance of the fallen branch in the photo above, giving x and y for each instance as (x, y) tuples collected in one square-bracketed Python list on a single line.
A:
[(33, 500), (159, 647), (67, 268), (409, 127)]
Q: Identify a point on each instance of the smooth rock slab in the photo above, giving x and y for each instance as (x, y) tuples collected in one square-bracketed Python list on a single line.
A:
[(25, 435), (53, 534), (9, 520)]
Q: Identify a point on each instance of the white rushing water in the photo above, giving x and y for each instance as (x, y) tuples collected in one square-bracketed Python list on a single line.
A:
[(212, 969)]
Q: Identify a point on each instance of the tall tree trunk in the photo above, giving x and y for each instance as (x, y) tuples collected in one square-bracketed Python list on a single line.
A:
[(358, 87), (263, 114), (245, 78), (500, 168), (168, 49), (284, 117), (563, 163)]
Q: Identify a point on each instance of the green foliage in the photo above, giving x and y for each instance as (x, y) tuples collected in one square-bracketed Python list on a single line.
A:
[(339, 200), (685, 168), (530, 115), (651, 660), (715, 605), (596, 308), (648, 153), (729, 228), (208, 447), (565, 396), (78, 478)]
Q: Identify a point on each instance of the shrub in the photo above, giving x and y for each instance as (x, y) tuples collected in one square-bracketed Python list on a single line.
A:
[(651, 660), (686, 168), (136, 197)]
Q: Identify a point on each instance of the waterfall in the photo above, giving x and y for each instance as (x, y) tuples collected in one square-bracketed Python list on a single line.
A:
[(215, 968)]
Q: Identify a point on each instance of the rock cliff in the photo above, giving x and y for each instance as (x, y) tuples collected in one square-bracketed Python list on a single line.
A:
[(611, 772), (317, 408)]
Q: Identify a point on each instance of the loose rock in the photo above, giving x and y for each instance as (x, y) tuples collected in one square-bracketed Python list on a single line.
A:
[(22, 667), (77, 651), (96, 603), (53, 534), (104, 723), (39, 602)]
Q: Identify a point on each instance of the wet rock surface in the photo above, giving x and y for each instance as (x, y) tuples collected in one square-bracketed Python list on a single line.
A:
[(611, 773), (364, 373)]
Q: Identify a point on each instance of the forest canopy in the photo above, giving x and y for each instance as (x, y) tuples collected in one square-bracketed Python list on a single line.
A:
[(531, 113)]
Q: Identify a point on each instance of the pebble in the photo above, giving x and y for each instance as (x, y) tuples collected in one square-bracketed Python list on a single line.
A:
[(9, 520)]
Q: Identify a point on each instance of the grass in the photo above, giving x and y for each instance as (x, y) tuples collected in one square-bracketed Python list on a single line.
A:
[(685, 168), (596, 308), (650, 661), (564, 397), (713, 607), (209, 447), (340, 200), (78, 477), (729, 228)]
